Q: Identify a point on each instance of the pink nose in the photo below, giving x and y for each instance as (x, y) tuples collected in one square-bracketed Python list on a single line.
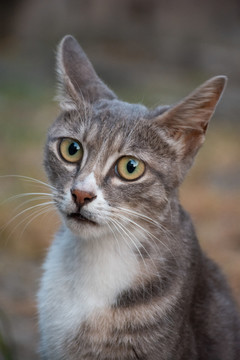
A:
[(82, 197)]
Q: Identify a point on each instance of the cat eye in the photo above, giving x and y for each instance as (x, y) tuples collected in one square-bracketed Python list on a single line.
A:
[(71, 150), (129, 168)]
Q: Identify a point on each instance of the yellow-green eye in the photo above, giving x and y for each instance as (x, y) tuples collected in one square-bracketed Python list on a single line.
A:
[(71, 150), (130, 168)]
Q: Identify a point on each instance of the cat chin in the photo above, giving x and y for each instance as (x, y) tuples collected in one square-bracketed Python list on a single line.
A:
[(86, 230)]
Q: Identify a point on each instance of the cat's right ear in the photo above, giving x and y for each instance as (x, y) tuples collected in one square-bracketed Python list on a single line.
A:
[(184, 125), (77, 78), (186, 122)]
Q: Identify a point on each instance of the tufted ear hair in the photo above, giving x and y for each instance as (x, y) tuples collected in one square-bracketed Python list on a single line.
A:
[(185, 123), (77, 78)]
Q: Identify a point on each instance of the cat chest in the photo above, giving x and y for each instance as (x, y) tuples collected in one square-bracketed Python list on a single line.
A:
[(79, 307), (117, 333), (74, 286)]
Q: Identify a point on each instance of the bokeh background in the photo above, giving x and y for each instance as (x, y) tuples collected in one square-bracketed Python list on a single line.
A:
[(150, 51)]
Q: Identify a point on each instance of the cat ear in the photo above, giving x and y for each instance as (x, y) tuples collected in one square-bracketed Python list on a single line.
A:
[(78, 80), (186, 122)]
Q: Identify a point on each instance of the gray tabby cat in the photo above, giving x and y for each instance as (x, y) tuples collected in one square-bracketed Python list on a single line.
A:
[(125, 277)]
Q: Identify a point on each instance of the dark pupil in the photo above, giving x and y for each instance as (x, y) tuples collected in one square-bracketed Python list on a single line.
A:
[(73, 148), (131, 166)]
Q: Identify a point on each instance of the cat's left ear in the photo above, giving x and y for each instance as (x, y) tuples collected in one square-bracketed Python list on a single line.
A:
[(78, 80), (185, 123)]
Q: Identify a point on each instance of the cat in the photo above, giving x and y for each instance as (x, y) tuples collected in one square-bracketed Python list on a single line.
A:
[(125, 277)]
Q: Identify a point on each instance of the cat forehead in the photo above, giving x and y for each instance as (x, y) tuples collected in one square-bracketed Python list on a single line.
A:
[(112, 126), (103, 119), (117, 110), (114, 122), (118, 123), (103, 112)]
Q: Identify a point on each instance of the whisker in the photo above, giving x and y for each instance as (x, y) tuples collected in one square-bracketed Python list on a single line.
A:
[(24, 195), (135, 213), (38, 212), (141, 228), (153, 237), (150, 220), (129, 234), (156, 273), (118, 227), (35, 215), (115, 236), (35, 198), (30, 200), (24, 211), (30, 179)]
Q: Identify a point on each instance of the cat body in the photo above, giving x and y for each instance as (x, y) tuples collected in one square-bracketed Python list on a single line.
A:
[(125, 277)]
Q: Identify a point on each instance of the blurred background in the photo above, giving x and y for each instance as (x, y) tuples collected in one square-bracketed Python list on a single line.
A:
[(149, 51)]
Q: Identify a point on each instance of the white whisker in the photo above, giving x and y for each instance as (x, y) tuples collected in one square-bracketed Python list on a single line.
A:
[(150, 220), (29, 179), (37, 211), (135, 213), (130, 235), (153, 237), (30, 200), (23, 212), (119, 227), (18, 196), (34, 216), (114, 234)]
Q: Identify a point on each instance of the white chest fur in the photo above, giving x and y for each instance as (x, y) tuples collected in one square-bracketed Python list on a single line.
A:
[(81, 277)]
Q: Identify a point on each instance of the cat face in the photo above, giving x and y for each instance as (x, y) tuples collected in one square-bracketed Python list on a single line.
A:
[(104, 160), (114, 163)]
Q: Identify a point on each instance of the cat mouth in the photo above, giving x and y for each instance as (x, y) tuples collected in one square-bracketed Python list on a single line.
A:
[(80, 218)]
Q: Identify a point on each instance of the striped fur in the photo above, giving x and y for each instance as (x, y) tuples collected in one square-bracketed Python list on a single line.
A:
[(130, 281)]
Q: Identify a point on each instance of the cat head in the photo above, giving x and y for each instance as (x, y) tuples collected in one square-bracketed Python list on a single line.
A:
[(113, 162)]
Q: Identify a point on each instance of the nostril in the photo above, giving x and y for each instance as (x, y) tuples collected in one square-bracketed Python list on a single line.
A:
[(82, 197), (88, 199), (74, 196)]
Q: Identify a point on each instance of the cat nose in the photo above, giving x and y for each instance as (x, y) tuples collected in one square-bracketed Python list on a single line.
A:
[(82, 197)]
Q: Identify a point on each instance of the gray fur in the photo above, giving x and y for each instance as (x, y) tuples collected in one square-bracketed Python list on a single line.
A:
[(173, 302)]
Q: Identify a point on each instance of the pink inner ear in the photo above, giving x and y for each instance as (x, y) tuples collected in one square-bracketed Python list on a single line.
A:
[(188, 120)]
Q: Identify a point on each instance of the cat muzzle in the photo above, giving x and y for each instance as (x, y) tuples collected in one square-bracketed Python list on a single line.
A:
[(80, 218)]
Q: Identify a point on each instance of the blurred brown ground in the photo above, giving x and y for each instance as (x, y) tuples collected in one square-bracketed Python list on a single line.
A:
[(150, 51)]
